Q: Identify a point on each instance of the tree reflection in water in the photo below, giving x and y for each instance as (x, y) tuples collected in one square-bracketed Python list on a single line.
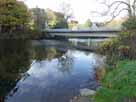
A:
[(65, 58), (43, 53), (46, 53), (14, 62)]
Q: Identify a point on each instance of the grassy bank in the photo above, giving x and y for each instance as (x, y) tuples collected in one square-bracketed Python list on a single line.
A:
[(119, 85), (119, 82)]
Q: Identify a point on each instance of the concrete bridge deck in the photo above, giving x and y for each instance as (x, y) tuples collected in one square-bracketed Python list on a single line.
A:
[(90, 33)]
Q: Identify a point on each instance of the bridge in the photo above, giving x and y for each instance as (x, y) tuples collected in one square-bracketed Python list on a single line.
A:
[(90, 33)]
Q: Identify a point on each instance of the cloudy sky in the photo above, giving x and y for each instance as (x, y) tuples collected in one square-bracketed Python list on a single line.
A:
[(81, 8)]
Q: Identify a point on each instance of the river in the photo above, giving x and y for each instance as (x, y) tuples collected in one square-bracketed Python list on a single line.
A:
[(44, 71)]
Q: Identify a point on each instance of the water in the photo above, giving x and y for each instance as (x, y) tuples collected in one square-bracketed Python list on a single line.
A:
[(87, 44), (44, 71)]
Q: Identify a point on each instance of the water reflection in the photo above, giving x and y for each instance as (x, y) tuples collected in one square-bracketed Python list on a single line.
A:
[(66, 62), (16, 57), (14, 61), (43, 73), (87, 44), (43, 53)]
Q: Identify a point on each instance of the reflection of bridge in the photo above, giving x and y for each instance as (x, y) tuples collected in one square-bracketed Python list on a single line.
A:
[(91, 33)]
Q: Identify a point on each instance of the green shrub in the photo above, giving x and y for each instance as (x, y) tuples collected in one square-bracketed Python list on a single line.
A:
[(129, 24)]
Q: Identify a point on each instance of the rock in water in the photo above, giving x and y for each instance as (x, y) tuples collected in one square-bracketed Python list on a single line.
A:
[(87, 92)]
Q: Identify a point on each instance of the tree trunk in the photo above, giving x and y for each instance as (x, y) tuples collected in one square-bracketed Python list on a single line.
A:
[(0, 28)]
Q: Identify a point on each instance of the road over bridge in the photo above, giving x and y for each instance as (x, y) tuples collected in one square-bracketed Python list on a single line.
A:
[(90, 33)]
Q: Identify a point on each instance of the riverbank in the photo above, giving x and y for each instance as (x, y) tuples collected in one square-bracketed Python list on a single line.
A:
[(22, 35), (119, 85)]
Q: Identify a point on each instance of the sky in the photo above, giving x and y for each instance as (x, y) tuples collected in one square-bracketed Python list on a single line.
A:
[(81, 8)]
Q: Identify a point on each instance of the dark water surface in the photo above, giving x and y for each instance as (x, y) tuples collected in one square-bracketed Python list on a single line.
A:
[(44, 71)]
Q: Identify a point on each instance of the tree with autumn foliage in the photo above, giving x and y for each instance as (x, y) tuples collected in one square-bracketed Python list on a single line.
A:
[(14, 16)]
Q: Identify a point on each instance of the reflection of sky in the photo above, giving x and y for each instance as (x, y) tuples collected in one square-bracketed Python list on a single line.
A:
[(46, 78), (43, 68)]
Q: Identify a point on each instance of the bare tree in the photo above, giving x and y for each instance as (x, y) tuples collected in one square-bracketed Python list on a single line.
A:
[(118, 6), (66, 10)]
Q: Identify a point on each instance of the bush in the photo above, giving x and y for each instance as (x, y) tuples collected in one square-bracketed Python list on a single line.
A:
[(128, 39), (130, 24), (108, 47), (123, 47), (124, 51)]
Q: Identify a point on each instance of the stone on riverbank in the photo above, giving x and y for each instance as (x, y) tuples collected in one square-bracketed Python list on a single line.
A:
[(87, 92), (81, 99)]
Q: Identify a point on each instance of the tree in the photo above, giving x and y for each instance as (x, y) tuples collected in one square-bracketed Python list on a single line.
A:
[(129, 24), (61, 21), (118, 6), (88, 23), (66, 10), (56, 19), (51, 18), (39, 18), (14, 15)]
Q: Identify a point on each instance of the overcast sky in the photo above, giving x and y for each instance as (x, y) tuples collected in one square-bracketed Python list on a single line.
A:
[(81, 8)]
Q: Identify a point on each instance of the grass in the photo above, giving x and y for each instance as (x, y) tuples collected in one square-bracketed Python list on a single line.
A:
[(119, 85)]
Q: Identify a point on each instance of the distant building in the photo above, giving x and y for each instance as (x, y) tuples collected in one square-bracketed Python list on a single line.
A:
[(73, 24), (38, 18)]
